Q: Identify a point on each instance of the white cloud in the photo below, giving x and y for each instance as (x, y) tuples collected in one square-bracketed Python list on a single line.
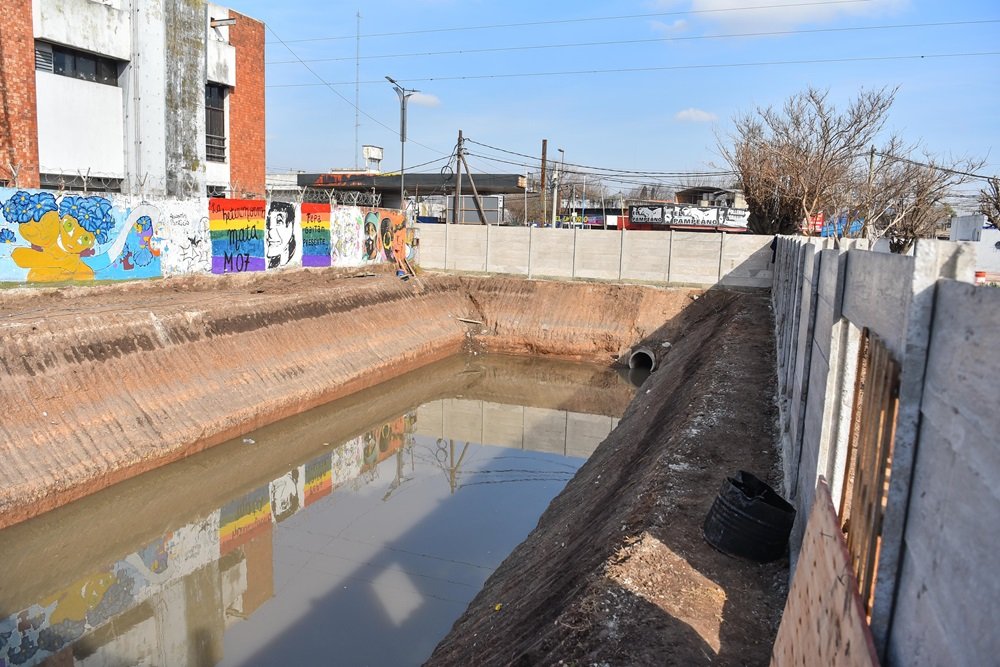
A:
[(782, 14), (425, 100), (671, 28), (693, 115)]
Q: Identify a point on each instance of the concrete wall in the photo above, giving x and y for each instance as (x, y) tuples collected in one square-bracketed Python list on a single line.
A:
[(673, 257), (934, 574), (72, 143), (128, 238), (948, 588)]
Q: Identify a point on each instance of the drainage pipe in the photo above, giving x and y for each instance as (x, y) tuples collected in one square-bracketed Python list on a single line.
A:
[(642, 357)]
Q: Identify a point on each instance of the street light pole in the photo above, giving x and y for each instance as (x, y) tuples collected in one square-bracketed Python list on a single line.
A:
[(403, 94)]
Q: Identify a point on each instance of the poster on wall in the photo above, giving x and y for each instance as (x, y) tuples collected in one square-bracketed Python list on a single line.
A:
[(316, 249), (346, 236), (236, 227), (282, 236), (50, 237)]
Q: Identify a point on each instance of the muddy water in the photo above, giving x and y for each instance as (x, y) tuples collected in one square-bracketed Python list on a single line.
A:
[(354, 534)]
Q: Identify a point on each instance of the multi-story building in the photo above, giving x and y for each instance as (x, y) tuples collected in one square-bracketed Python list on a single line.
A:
[(150, 97)]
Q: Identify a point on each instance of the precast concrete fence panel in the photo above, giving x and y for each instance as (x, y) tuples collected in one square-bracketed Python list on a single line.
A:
[(677, 257), (948, 586), (939, 512), (695, 257)]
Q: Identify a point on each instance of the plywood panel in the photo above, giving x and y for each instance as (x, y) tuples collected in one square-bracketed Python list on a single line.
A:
[(823, 622)]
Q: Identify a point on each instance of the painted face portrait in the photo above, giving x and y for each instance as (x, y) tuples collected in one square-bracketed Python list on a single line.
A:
[(280, 243)]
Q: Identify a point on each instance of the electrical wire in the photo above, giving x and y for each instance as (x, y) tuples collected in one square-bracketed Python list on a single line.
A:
[(325, 83), (630, 42), (627, 70), (605, 169), (928, 165), (524, 24)]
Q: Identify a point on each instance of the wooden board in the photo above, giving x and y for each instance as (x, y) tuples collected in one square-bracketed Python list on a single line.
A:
[(824, 620)]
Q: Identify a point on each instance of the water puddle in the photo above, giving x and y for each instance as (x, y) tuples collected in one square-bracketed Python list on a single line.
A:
[(355, 533)]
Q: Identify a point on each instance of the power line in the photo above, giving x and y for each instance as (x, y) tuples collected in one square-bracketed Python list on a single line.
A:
[(524, 24), (605, 169), (764, 63), (928, 165), (328, 85), (772, 33)]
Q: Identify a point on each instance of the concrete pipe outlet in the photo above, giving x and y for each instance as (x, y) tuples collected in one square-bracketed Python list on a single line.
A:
[(642, 358)]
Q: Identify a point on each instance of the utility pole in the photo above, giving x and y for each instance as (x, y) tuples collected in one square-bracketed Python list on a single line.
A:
[(458, 179), (544, 183), (357, 87)]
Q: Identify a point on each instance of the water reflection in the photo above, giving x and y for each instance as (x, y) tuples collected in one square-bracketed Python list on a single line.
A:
[(364, 553)]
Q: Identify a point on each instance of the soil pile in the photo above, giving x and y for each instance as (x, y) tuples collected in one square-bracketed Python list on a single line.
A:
[(617, 571)]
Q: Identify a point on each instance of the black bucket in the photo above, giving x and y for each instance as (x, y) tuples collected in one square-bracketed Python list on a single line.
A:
[(748, 519)]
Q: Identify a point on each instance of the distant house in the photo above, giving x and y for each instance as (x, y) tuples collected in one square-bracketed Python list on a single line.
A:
[(711, 196), (152, 98)]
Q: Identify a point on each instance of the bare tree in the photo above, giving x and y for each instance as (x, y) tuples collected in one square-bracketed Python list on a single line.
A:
[(989, 201), (795, 160)]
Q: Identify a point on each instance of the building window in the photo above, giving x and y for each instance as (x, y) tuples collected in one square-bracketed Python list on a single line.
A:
[(215, 122), (76, 64)]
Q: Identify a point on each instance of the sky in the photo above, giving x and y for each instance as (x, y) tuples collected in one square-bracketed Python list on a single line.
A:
[(645, 85)]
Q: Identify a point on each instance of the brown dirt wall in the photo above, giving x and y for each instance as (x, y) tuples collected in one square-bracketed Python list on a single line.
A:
[(617, 571), (102, 383)]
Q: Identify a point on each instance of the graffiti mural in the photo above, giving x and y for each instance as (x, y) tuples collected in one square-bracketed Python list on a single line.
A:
[(183, 235), (346, 236), (316, 240), (236, 227), (283, 236), (50, 238), (47, 237)]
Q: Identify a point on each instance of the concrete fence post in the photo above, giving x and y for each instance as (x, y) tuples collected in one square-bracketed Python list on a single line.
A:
[(486, 262), (531, 234), (933, 260), (670, 253), (573, 270), (722, 253), (447, 238), (621, 252)]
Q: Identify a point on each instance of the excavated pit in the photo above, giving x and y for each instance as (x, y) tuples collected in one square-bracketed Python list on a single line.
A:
[(103, 383)]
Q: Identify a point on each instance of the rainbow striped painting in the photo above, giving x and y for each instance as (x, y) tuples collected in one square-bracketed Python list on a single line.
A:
[(315, 234), (236, 227), (243, 519), (319, 481)]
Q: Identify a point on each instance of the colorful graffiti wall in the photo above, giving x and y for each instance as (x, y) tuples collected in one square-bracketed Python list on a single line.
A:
[(48, 237)]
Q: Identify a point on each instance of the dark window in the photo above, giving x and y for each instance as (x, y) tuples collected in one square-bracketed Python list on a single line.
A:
[(215, 122), (77, 64)]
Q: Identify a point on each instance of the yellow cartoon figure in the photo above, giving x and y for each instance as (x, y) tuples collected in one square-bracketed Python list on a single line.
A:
[(60, 235)]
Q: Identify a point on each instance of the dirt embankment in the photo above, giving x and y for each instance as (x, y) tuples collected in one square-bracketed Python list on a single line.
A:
[(102, 383), (617, 571)]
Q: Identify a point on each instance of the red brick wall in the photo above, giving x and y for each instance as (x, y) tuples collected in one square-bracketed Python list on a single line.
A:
[(246, 108), (18, 110)]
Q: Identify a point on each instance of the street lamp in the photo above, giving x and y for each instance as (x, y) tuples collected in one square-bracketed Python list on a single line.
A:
[(404, 94), (555, 192)]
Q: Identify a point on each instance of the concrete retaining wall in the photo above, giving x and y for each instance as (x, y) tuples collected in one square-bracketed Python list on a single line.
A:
[(100, 384), (934, 576), (692, 258)]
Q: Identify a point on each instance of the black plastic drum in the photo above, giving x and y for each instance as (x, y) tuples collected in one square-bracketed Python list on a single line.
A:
[(748, 519)]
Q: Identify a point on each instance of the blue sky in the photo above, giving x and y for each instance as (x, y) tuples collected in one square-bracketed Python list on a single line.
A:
[(656, 120)]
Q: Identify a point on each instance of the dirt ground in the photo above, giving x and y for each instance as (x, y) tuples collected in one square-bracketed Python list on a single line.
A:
[(617, 571)]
